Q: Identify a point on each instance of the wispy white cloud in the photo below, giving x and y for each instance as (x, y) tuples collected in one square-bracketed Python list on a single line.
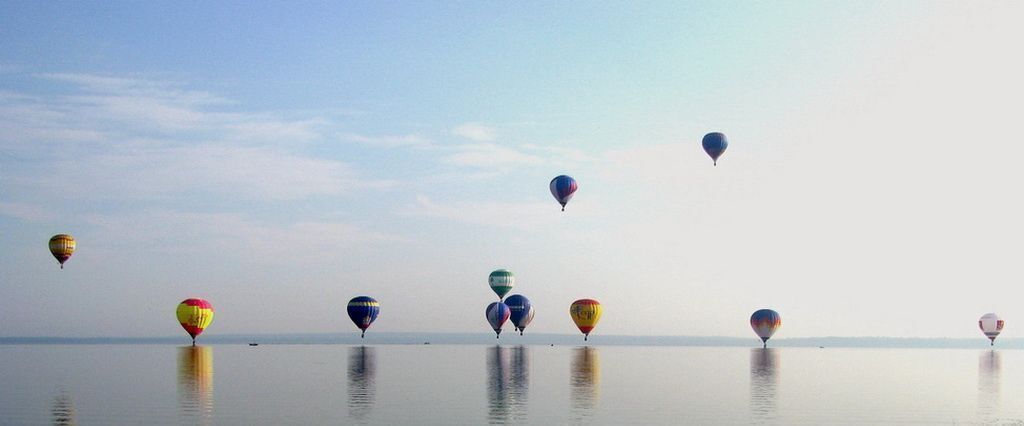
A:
[(476, 132), (25, 211), (238, 172), (525, 215), (153, 139), (388, 141), (490, 155), (136, 88), (226, 233)]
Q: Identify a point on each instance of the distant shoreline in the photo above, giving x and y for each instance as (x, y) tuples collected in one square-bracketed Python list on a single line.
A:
[(511, 338)]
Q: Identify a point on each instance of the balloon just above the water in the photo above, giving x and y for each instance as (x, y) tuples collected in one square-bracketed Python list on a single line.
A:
[(585, 313), (497, 313), (522, 311), (563, 187), (715, 144), (991, 325), (765, 322), (363, 310), (62, 246), (501, 281), (195, 315)]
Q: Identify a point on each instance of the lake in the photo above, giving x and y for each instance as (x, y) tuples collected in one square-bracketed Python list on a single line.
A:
[(508, 384)]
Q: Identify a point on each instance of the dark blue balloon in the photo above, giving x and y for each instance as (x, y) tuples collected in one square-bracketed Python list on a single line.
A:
[(522, 311), (715, 144), (562, 188), (363, 310)]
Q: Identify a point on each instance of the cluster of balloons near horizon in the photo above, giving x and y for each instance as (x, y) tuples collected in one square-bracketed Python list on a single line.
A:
[(584, 312), (196, 314), (516, 307)]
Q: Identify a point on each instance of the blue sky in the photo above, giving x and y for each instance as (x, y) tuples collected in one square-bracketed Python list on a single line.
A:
[(279, 159)]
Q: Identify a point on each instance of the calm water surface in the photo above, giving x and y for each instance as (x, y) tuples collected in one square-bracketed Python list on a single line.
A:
[(466, 384)]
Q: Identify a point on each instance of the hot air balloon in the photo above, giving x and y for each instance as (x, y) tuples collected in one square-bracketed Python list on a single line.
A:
[(501, 281), (522, 311), (62, 246), (363, 310), (562, 187), (991, 325), (585, 313), (195, 315), (765, 322), (715, 144), (497, 313)]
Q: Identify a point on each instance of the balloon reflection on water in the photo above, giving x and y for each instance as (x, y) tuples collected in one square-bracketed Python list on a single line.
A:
[(63, 410), (362, 386), (584, 381), (764, 367), (195, 383), (989, 372), (508, 379)]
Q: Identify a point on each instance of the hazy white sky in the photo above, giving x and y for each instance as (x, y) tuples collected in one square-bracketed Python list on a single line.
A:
[(279, 160)]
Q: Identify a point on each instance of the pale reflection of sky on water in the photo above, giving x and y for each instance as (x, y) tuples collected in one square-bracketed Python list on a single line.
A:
[(504, 384)]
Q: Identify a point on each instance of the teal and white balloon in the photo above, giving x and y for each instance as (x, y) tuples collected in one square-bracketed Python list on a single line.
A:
[(501, 282)]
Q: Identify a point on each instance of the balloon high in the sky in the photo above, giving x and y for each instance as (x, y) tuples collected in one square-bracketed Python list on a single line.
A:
[(715, 144), (991, 325), (522, 311), (497, 313), (562, 187), (62, 246), (585, 313), (501, 281), (765, 322), (363, 310), (195, 315)]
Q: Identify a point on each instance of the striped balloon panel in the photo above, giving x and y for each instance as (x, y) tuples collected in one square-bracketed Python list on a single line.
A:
[(363, 311), (522, 310), (497, 313), (195, 315), (501, 281), (62, 246), (562, 188), (715, 144), (765, 322), (585, 313)]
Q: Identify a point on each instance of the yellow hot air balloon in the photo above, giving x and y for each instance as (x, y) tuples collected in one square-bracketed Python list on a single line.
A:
[(62, 246), (585, 313), (195, 315)]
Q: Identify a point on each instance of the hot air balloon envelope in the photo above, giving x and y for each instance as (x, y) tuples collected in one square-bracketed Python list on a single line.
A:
[(62, 246), (715, 144), (562, 188), (765, 322), (195, 315), (501, 281), (585, 313), (363, 310), (522, 311), (497, 313), (991, 325)]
